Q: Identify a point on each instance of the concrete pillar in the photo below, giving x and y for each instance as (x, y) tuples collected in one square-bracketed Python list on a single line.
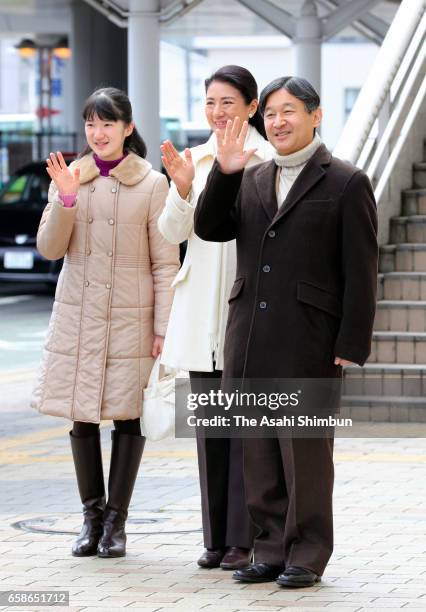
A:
[(99, 59), (144, 72), (307, 45)]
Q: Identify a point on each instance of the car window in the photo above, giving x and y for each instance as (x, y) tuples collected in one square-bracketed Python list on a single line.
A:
[(15, 190), (29, 189), (39, 188)]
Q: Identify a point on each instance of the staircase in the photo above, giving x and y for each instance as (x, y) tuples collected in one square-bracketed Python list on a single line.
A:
[(392, 384)]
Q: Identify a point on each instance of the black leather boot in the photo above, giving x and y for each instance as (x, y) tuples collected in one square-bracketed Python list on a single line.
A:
[(126, 456), (86, 452)]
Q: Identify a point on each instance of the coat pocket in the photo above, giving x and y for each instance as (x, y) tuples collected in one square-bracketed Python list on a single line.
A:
[(320, 298), (181, 275), (237, 287)]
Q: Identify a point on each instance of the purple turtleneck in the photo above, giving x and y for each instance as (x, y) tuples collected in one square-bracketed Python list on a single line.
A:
[(68, 200), (105, 166)]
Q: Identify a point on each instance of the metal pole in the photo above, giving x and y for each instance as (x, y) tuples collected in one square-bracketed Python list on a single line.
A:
[(49, 98), (144, 72), (188, 77), (40, 86), (307, 45)]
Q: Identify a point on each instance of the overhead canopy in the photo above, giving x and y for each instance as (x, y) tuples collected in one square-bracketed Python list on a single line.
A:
[(182, 20)]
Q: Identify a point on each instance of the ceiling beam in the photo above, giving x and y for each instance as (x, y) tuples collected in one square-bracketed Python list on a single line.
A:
[(169, 12), (368, 25), (344, 16), (57, 21), (280, 19)]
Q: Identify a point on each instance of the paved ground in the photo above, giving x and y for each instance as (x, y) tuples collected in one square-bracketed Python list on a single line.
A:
[(379, 561), (380, 514)]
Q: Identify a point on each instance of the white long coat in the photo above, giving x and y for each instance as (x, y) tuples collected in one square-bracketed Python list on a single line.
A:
[(196, 330)]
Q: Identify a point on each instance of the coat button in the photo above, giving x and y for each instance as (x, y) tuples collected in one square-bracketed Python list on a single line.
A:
[(114, 190), (90, 219), (262, 305), (111, 221), (109, 253), (266, 268), (86, 283), (88, 252), (92, 188), (271, 234), (108, 285)]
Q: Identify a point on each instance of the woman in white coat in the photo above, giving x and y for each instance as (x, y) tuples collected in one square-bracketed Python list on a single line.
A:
[(196, 329)]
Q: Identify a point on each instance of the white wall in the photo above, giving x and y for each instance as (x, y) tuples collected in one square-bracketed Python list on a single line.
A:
[(17, 87), (173, 99), (264, 64), (344, 65)]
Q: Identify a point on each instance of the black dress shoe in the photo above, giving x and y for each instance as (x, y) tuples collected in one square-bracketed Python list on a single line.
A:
[(297, 577), (258, 572), (211, 558), (235, 558)]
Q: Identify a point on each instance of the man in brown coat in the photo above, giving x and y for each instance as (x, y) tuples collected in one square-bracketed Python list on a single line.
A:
[(302, 306)]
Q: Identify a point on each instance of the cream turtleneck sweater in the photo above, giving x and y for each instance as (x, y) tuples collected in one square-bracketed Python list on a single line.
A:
[(291, 166)]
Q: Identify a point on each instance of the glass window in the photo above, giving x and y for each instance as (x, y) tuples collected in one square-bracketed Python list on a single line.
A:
[(28, 189), (351, 94), (15, 190), (39, 188)]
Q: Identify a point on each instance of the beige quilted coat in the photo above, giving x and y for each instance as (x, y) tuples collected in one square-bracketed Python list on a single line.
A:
[(113, 292)]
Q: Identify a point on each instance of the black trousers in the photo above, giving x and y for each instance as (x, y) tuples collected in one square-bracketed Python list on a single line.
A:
[(225, 516), (289, 488)]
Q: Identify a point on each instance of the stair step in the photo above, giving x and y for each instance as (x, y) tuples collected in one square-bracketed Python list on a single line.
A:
[(398, 347), (409, 229), (378, 399), (399, 303), (404, 257), (393, 409), (391, 387), (387, 380), (402, 286), (414, 202), (419, 174), (411, 369), (400, 315)]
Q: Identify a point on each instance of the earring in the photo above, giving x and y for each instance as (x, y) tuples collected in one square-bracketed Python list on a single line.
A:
[(250, 115)]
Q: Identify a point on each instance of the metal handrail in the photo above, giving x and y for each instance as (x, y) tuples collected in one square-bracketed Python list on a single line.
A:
[(397, 147), (393, 81), (400, 105)]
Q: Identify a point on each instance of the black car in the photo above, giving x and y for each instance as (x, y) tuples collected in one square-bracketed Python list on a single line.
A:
[(22, 200)]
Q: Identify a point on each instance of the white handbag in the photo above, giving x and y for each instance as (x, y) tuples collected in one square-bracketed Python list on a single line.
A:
[(158, 406)]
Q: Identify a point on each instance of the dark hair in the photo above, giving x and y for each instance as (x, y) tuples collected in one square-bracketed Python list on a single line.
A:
[(112, 104), (297, 87), (244, 81)]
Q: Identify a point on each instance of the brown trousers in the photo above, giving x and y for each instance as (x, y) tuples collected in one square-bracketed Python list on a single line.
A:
[(289, 487), (225, 517)]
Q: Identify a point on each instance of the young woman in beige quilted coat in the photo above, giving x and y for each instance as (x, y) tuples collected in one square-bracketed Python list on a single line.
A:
[(111, 307)]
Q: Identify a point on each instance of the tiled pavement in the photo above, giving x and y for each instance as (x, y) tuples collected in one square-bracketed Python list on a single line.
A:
[(379, 561)]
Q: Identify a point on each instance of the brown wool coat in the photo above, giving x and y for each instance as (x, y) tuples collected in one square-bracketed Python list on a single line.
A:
[(305, 286), (113, 292)]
